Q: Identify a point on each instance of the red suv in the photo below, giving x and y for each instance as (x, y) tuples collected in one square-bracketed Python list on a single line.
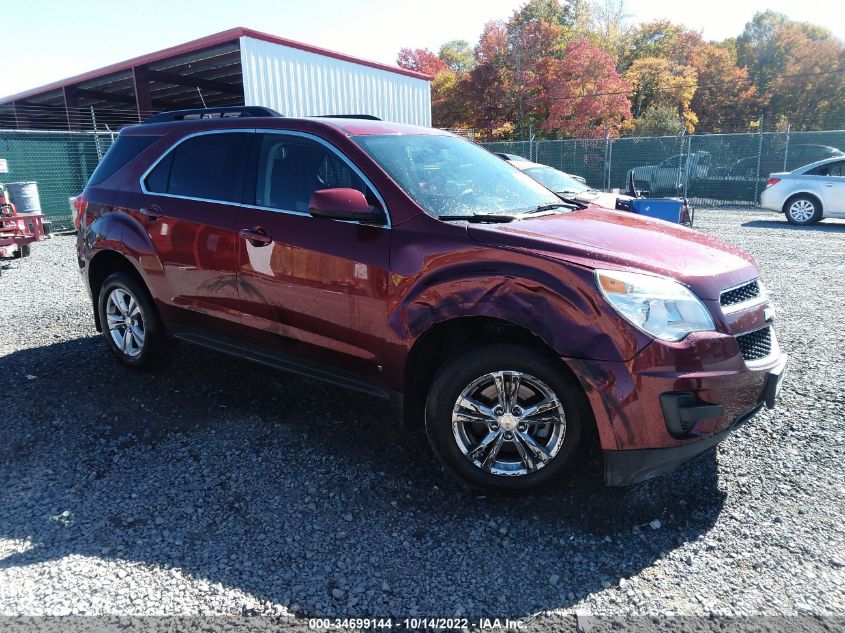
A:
[(413, 265)]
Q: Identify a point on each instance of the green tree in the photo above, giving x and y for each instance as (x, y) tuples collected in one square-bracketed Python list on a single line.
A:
[(659, 39), (573, 16), (658, 120), (609, 25), (457, 55), (758, 52)]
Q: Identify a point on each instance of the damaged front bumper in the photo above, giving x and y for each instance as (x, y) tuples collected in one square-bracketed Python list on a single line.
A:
[(624, 467)]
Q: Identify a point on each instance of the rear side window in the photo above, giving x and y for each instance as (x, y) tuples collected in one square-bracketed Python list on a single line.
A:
[(124, 149), (209, 166)]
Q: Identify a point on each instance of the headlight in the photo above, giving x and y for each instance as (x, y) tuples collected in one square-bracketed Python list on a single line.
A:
[(660, 307)]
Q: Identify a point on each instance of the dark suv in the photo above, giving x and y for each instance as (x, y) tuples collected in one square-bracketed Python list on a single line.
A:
[(413, 265)]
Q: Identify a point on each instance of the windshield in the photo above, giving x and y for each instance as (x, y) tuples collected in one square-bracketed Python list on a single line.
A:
[(556, 180), (449, 176)]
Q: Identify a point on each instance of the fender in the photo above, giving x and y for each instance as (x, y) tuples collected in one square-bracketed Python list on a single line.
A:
[(120, 232), (552, 299)]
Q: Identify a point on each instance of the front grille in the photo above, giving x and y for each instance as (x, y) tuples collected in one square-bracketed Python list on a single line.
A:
[(740, 294), (757, 344)]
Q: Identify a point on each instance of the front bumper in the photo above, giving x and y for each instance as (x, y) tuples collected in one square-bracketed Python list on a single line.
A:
[(622, 468)]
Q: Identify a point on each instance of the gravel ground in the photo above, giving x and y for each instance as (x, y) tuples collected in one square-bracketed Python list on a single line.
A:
[(217, 487)]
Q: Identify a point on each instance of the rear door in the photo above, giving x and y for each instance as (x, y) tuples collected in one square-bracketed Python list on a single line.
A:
[(190, 208), (312, 287)]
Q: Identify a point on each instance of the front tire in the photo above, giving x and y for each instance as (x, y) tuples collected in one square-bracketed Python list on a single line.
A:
[(130, 324), (505, 419), (803, 210)]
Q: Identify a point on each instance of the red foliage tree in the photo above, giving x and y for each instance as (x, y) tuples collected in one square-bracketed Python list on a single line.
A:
[(583, 93), (420, 60)]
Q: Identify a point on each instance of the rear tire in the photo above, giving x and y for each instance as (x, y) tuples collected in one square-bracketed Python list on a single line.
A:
[(803, 210), (130, 323), (480, 423)]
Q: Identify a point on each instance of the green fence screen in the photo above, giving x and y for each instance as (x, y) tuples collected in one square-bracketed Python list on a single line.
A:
[(60, 162), (710, 169)]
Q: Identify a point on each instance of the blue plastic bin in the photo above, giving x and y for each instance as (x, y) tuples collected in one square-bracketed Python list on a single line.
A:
[(661, 208)]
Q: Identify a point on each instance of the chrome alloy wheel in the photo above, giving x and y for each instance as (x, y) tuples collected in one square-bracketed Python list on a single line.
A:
[(125, 322), (508, 423), (801, 210)]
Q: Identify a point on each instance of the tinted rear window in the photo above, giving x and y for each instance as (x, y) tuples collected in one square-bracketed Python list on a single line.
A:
[(207, 166), (124, 149)]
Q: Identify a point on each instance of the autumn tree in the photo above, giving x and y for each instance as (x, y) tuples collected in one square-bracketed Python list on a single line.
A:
[(658, 82), (584, 95), (448, 101), (810, 90), (542, 70), (487, 92), (420, 60), (530, 45), (799, 70), (725, 99)]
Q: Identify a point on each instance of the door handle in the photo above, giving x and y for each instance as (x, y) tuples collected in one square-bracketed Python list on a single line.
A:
[(152, 212), (256, 236)]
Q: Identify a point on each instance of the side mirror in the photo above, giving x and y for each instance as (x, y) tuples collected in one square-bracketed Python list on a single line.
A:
[(341, 203)]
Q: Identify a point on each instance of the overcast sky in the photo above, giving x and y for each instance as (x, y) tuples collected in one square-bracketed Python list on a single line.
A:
[(47, 41)]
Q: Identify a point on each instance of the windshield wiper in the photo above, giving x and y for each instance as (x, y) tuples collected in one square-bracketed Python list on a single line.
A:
[(552, 206), (480, 217)]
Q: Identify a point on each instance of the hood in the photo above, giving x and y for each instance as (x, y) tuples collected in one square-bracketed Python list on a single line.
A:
[(600, 238)]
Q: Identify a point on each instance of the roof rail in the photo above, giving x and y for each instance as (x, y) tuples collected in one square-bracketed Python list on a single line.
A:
[(368, 117), (228, 112)]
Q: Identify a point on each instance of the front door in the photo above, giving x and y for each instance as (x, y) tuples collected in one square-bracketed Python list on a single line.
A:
[(832, 186), (312, 287), (190, 211)]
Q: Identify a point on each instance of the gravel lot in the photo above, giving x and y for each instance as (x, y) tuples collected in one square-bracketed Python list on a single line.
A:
[(216, 487)]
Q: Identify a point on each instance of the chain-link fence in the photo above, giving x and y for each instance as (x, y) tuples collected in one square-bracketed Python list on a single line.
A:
[(710, 169), (59, 162)]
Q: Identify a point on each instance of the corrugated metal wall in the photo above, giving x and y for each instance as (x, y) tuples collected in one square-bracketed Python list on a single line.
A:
[(301, 83)]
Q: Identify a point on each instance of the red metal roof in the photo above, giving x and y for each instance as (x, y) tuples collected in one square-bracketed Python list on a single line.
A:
[(205, 42)]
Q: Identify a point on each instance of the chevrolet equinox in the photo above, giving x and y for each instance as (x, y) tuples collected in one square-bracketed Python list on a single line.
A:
[(414, 265)]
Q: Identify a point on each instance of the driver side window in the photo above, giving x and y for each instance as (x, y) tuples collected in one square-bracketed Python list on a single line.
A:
[(291, 168), (837, 169), (831, 169)]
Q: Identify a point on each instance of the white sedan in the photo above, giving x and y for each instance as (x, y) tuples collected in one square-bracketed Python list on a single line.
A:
[(808, 194)]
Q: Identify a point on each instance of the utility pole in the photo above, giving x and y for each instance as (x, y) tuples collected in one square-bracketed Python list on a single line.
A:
[(786, 148), (759, 158)]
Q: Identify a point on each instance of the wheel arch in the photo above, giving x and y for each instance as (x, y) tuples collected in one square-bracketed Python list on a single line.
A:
[(448, 339), (798, 194), (104, 263)]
